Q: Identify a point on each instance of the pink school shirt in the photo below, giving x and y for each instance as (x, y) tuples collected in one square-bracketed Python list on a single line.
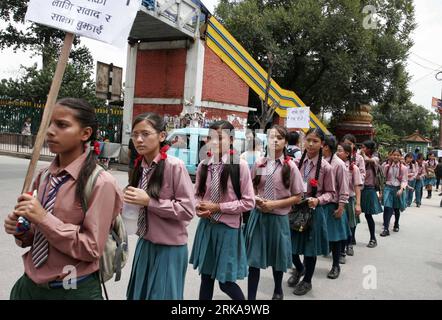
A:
[(281, 192), (326, 181), (341, 180), (231, 207), (397, 174), (421, 171), (412, 171), (67, 245), (360, 163), (354, 178), (169, 216), (369, 180)]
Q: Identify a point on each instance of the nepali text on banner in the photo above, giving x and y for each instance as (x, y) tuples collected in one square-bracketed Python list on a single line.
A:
[(109, 21)]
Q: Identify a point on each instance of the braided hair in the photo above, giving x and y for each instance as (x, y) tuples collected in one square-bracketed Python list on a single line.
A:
[(156, 179), (285, 172), (318, 132), (85, 115), (230, 169), (348, 148)]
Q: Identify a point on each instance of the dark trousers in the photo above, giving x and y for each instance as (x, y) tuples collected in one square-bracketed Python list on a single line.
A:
[(26, 289), (388, 213)]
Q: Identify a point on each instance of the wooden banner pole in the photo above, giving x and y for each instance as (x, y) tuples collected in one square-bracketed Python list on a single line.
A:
[(49, 107)]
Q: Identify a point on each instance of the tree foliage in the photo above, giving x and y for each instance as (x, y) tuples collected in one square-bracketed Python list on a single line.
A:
[(323, 52)]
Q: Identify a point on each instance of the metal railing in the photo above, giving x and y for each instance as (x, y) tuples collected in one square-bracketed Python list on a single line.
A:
[(20, 144)]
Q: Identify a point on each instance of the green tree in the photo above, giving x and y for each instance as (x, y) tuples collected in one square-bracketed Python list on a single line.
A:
[(322, 50), (40, 40)]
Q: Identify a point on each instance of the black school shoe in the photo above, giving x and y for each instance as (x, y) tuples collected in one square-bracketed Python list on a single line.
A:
[(295, 277), (372, 244), (302, 288), (385, 233), (278, 296), (350, 251), (341, 259), (334, 272), (396, 229)]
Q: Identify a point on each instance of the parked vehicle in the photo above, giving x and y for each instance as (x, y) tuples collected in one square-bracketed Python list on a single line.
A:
[(187, 142)]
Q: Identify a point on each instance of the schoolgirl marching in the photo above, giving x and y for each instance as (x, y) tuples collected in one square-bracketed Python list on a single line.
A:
[(224, 190), (319, 190), (394, 196), (63, 231), (278, 186), (161, 187)]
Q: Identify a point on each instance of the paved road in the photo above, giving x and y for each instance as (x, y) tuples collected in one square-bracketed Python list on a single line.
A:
[(406, 265)]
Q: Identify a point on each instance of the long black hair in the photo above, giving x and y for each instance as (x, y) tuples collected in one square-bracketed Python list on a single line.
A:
[(320, 134), (85, 115), (286, 167), (156, 179), (352, 139), (331, 142), (349, 149), (230, 169)]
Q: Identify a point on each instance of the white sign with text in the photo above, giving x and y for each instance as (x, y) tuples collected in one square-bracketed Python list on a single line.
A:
[(109, 21), (298, 118)]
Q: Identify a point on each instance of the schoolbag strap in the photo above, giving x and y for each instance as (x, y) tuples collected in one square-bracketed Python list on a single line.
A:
[(89, 187)]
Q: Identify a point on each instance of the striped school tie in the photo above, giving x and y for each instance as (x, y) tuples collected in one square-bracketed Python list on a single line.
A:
[(40, 245), (269, 186), (215, 189), (142, 216)]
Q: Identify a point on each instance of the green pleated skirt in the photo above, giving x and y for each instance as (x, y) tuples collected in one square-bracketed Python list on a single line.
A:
[(158, 272), (313, 242), (219, 251), (353, 219), (337, 229), (268, 241), (370, 203)]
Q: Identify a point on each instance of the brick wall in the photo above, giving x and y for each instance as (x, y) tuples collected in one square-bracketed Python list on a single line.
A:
[(160, 73), (162, 109), (220, 83)]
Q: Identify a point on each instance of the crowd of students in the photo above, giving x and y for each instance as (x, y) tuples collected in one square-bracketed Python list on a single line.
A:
[(338, 181)]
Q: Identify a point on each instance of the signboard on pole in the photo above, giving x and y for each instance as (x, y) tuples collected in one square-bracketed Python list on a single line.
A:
[(298, 118), (109, 81), (109, 21)]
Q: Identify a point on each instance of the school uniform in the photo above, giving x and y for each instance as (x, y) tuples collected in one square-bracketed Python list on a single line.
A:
[(420, 177), (160, 260), (396, 175), (397, 178), (338, 229), (370, 203), (412, 173), (354, 179), (430, 169), (219, 247), (268, 240), (59, 232), (314, 242), (360, 163)]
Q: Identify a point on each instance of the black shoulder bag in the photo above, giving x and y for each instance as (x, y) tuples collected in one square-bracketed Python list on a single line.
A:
[(301, 215)]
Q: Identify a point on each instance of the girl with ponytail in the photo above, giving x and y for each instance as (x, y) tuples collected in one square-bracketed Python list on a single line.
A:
[(61, 232), (319, 189), (412, 173), (353, 207), (162, 188), (356, 157), (338, 230), (370, 204), (278, 186), (224, 190)]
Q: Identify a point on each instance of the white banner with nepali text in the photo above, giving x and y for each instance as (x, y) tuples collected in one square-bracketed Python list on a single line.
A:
[(108, 21)]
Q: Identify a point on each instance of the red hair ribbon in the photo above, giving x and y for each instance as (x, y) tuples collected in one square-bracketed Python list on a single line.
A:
[(231, 152), (287, 159), (209, 153), (138, 160), (163, 151), (314, 183), (97, 148)]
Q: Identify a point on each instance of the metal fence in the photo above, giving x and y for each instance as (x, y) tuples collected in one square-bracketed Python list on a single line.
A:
[(21, 144), (13, 114)]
